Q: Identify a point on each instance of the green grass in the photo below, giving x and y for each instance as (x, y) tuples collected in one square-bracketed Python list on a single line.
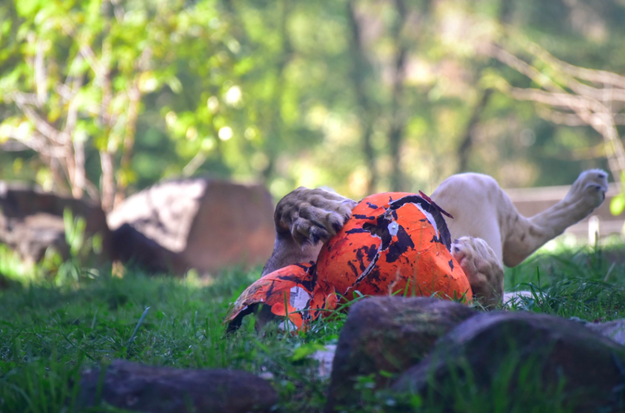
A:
[(50, 331), (584, 282)]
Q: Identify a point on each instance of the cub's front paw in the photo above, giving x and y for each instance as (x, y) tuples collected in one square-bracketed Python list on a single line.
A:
[(483, 269), (589, 189), (312, 215)]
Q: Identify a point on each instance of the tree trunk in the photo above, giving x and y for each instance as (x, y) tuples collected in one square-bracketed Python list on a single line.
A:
[(108, 181), (134, 98), (274, 141), (398, 118), (360, 68), (466, 142)]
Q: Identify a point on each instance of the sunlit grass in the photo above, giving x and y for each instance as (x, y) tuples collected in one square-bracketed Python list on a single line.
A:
[(50, 330), (583, 281)]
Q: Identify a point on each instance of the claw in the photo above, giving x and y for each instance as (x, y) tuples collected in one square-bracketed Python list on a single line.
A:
[(305, 243)]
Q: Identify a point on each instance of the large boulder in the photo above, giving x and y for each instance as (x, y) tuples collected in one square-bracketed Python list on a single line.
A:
[(387, 335), (198, 223), (32, 220), (525, 356), (136, 387)]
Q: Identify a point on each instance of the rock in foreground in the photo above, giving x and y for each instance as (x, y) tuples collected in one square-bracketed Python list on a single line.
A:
[(516, 350), (135, 387), (389, 334)]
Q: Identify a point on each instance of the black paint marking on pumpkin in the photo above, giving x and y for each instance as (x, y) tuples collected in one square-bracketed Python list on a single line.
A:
[(436, 239), (365, 255), (362, 216), (369, 268), (292, 278), (360, 255), (380, 229), (427, 198), (403, 243), (373, 279), (310, 285), (373, 249), (306, 267), (306, 317), (430, 208), (356, 231), (353, 267), (372, 206), (451, 265), (270, 290)]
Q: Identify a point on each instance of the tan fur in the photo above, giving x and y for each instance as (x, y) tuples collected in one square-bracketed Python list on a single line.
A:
[(302, 219), (487, 227), (482, 267), (483, 210)]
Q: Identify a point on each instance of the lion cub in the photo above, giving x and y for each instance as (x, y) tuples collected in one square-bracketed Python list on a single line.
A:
[(488, 230)]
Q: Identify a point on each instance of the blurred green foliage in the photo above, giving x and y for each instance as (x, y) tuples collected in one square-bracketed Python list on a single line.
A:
[(358, 95)]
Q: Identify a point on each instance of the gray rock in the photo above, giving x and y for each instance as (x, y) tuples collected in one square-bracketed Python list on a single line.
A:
[(516, 298), (388, 334), (325, 359), (32, 220), (136, 387), (198, 223), (561, 351), (612, 329)]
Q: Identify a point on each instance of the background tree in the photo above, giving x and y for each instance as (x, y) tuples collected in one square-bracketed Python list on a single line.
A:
[(105, 97), (79, 74)]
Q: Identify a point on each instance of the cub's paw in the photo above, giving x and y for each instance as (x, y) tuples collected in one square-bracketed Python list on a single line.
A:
[(483, 269), (589, 189), (312, 215)]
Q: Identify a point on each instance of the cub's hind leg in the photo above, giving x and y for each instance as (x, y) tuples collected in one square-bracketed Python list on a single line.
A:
[(524, 235), (483, 210)]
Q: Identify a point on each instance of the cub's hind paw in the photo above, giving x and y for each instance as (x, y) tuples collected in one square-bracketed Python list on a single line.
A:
[(589, 189), (482, 268)]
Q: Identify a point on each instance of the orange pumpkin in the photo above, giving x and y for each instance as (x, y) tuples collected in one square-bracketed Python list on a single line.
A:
[(394, 243), (288, 292)]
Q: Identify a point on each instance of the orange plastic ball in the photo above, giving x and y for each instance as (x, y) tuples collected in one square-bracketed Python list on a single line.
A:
[(394, 243), (288, 292)]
